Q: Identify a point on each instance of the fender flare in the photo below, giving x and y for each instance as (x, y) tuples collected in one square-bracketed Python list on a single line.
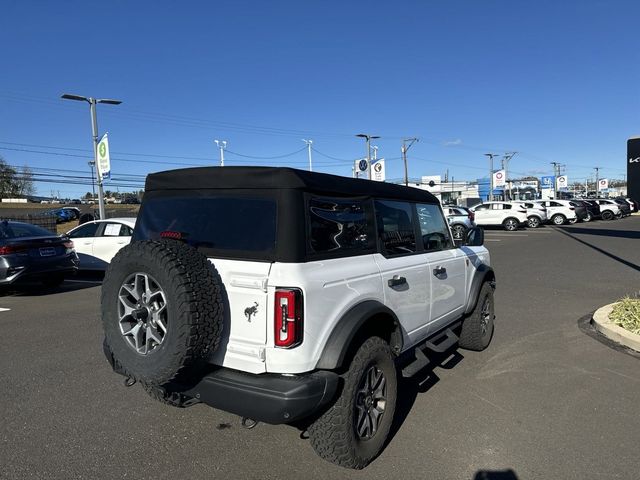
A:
[(347, 328), (483, 274)]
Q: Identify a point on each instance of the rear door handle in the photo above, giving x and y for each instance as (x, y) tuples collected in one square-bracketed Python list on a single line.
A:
[(439, 271), (396, 281)]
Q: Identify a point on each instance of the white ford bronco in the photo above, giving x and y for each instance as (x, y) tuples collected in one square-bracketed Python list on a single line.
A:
[(287, 296)]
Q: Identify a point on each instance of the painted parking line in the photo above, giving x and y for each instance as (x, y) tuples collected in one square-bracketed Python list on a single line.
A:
[(506, 234), (4, 309), (492, 240)]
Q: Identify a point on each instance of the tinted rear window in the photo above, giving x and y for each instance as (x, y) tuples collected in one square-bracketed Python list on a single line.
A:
[(22, 230), (214, 223), (338, 225)]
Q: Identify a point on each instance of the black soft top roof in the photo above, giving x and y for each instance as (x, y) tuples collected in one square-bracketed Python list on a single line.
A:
[(270, 178)]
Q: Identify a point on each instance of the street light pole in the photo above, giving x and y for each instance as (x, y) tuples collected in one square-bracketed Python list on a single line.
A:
[(222, 145), (368, 138), (94, 130), (309, 142)]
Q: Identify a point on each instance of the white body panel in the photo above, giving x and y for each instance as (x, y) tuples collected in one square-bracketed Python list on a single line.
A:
[(555, 207)]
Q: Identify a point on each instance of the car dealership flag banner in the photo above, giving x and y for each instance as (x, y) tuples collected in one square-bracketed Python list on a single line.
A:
[(378, 171), (104, 162), (633, 168), (498, 179)]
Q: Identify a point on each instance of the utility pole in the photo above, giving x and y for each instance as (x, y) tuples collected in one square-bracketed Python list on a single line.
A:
[(490, 155), (222, 145), (505, 165), (94, 130), (93, 179), (309, 142), (597, 169), (368, 139), (404, 149), (556, 168)]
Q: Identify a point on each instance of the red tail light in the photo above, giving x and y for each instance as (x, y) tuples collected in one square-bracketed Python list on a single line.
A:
[(288, 318), (472, 216), (9, 249)]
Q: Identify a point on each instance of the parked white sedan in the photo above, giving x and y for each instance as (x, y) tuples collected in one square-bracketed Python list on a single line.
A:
[(98, 242)]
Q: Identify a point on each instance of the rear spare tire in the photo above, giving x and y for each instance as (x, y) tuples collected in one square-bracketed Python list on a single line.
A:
[(161, 310)]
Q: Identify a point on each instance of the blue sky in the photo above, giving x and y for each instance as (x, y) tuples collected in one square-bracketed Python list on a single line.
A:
[(554, 81)]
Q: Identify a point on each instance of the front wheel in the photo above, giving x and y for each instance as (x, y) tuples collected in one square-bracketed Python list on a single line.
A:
[(354, 430), (510, 224), (477, 328), (607, 215), (588, 217), (458, 231), (559, 219)]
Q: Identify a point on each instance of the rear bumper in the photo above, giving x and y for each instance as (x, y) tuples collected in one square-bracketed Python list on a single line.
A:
[(268, 397), (15, 268)]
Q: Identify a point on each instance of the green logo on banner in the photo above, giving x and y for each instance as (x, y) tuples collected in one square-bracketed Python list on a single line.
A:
[(102, 149)]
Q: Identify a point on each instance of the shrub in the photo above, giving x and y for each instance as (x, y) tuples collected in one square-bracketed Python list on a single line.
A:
[(626, 314)]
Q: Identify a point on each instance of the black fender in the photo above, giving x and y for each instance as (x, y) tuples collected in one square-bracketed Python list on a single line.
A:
[(484, 273), (346, 330)]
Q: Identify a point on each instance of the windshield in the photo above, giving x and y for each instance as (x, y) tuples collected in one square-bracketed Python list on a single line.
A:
[(21, 230)]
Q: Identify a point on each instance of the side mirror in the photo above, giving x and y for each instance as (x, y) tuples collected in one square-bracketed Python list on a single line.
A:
[(475, 237)]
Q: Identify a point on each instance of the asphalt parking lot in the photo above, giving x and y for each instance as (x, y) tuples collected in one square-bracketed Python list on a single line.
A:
[(547, 399)]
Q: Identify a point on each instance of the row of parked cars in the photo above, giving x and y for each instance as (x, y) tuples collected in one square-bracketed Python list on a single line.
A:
[(29, 252), (512, 215)]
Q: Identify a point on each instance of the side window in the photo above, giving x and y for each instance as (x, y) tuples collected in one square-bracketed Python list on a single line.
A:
[(338, 225), (125, 231), (88, 230), (433, 228), (395, 227), (506, 206), (555, 204), (496, 206), (482, 206)]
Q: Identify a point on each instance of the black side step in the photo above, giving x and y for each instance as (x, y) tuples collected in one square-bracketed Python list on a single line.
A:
[(440, 343)]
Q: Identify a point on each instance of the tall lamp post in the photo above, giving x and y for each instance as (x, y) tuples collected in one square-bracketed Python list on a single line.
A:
[(222, 145), (368, 138), (94, 129)]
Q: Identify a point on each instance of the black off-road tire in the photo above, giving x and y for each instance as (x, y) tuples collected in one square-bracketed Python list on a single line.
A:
[(475, 336), (194, 305), (333, 436)]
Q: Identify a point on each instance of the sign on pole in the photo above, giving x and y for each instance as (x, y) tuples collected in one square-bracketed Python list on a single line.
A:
[(562, 182), (379, 171), (603, 184), (104, 162), (547, 182), (499, 179), (362, 168)]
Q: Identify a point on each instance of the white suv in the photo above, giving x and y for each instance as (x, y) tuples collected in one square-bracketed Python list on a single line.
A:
[(609, 209), (509, 215), (536, 213), (559, 211), (292, 297)]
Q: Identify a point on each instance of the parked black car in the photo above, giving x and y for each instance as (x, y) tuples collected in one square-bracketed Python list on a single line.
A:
[(625, 208), (581, 211), (593, 209), (31, 252)]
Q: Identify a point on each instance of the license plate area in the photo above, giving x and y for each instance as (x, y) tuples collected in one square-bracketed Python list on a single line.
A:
[(47, 251)]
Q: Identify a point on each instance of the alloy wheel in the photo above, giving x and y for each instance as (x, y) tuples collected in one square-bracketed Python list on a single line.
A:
[(371, 401)]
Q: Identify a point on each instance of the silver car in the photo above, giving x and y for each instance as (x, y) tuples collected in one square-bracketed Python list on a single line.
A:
[(536, 213), (460, 221)]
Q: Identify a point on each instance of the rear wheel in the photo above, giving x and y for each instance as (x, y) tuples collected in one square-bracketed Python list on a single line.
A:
[(573, 220), (588, 217), (354, 430), (559, 219), (607, 215), (510, 224), (533, 222)]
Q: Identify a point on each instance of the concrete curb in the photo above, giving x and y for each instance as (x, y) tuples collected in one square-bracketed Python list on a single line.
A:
[(612, 331)]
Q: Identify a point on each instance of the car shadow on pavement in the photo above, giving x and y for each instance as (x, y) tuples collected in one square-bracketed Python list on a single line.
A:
[(36, 289), (604, 232), (495, 475), (598, 249), (422, 382)]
